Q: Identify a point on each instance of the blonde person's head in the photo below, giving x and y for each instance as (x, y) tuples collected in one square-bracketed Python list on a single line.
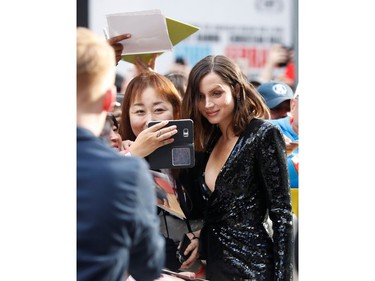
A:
[(95, 69)]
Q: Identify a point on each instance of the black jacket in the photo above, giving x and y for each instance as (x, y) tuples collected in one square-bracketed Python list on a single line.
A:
[(252, 184)]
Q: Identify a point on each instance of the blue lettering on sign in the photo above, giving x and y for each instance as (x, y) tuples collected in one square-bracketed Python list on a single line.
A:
[(191, 53)]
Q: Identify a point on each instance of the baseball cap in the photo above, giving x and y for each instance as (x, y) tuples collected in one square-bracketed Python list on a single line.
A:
[(275, 92)]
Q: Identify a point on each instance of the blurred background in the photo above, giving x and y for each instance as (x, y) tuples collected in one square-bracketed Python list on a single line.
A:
[(241, 30)]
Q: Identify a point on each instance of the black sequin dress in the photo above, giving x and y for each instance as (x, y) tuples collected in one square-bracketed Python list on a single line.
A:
[(252, 184)]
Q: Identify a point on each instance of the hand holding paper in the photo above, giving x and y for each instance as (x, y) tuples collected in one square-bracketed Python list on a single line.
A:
[(151, 33), (148, 30), (117, 46)]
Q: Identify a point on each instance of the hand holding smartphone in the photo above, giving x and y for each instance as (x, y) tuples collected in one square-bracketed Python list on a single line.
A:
[(178, 154)]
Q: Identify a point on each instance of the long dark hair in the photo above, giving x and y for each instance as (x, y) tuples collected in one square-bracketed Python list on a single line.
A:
[(249, 103)]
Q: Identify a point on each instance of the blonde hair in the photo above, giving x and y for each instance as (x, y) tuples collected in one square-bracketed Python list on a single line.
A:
[(95, 66)]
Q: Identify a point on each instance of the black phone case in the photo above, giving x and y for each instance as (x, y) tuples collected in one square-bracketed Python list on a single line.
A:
[(180, 153)]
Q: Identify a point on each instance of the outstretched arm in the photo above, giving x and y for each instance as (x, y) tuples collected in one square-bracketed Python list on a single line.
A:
[(276, 55)]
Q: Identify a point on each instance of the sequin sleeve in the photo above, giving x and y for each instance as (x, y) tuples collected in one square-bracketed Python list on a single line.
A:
[(274, 174)]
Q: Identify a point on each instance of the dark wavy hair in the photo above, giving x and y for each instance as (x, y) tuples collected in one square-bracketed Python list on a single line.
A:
[(249, 103)]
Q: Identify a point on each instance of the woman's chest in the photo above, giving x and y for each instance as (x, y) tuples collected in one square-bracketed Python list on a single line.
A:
[(217, 159)]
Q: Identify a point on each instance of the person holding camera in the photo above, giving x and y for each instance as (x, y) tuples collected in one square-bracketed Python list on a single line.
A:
[(151, 96), (279, 66)]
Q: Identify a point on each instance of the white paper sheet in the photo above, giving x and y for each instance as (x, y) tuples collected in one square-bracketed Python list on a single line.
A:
[(148, 29)]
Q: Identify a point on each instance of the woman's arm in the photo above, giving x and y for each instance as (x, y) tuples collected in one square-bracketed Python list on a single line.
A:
[(274, 175)]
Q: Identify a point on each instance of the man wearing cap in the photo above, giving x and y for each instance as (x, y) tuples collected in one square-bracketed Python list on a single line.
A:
[(277, 96)]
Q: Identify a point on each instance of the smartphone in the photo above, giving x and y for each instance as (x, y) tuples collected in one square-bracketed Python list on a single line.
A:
[(178, 154)]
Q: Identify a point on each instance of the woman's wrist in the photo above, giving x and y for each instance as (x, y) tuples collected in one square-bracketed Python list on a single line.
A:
[(194, 236)]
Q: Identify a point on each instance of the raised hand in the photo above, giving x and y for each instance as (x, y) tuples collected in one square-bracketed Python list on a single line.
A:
[(117, 46)]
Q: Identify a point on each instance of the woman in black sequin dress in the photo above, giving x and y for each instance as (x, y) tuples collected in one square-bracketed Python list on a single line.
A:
[(245, 176)]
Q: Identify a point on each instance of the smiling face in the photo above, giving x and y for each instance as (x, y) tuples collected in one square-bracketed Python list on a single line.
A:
[(149, 96), (219, 93), (148, 106), (216, 102)]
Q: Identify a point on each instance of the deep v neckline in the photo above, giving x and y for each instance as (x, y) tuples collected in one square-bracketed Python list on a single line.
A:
[(223, 166)]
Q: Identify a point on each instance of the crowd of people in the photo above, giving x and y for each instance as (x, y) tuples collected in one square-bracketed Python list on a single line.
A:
[(240, 213)]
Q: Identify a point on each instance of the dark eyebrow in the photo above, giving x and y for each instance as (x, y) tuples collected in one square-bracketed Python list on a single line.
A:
[(155, 103), (212, 90), (216, 88)]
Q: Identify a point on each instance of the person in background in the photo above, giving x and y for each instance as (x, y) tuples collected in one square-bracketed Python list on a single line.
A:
[(245, 177), (179, 65), (289, 127), (179, 80), (110, 133), (117, 226), (277, 96), (119, 82), (279, 66)]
